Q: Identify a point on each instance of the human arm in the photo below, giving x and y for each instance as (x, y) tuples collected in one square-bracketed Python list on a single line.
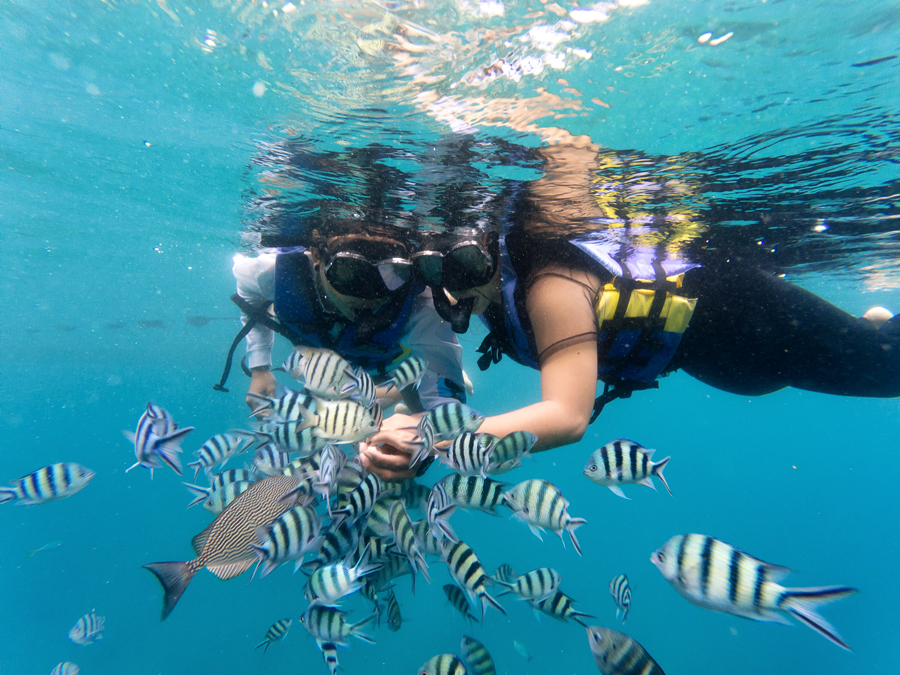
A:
[(255, 285)]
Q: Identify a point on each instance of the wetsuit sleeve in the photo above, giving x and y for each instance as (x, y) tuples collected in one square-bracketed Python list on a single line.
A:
[(431, 338), (256, 285)]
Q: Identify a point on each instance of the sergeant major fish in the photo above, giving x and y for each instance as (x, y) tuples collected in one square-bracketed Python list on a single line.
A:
[(56, 481), (157, 440), (442, 664), (560, 606), (621, 593), (509, 451), (449, 420), (469, 454), (329, 653), (226, 546), (216, 450), (714, 575), (277, 631), (476, 657), (290, 536), (618, 654), (466, 570), (394, 620), (458, 599), (329, 624), (540, 504), (409, 372), (622, 461), (534, 585), (65, 668), (87, 629)]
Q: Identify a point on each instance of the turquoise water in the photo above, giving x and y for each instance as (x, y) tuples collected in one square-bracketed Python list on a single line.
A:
[(128, 132)]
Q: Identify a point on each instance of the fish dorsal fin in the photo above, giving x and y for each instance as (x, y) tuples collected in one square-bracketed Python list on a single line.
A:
[(231, 570), (775, 573), (199, 542)]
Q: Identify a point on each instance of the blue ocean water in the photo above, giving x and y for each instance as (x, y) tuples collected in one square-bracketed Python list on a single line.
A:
[(128, 133)]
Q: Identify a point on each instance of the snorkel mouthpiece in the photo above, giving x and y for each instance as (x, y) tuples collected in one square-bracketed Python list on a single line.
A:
[(457, 315)]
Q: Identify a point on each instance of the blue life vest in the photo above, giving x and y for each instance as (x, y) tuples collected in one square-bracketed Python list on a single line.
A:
[(640, 322), (298, 307)]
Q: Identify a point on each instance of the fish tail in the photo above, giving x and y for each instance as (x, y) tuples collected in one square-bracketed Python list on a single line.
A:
[(657, 471), (801, 603), (174, 577), (197, 464), (264, 642), (573, 523), (578, 616), (486, 600), (7, 495), (201, 493), (355, 629)]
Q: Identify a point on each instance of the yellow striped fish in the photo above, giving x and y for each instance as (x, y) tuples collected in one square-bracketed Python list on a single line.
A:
[(618, 654), (714, 575), (442, 664), (540, 504), (466, 570), (476, 657), (56, 481), (277, 631), (225, 548)]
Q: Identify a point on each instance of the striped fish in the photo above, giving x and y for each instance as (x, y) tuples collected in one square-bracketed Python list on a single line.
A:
[(329, 653), (621, 462), (618, 654), (409, 372), (428, 544), (226, 546), (425, 430), (451, 419), (509, 451), (157, 440), (379, 520), (220, 480), (329, 624), (349, 477), (359, 501), (215, 501), (337, 543), (65, 668), (293, 436), (269, 460), (534, 585), (56, 481), (442, 664), (87, 629), (476, 657), (339, 422), (415, 496), (714, 575), (560, 606), (365, 392), (285, 408), (277, 631), (393, 566), (505, 574), (332, 461), (324, 373), (540, 504), (438, 512), (216, 450), (466, 570), (370, 593), (379, 547), (458, 599), (290, 536), (394, 620), (474, 492), (621, 592), (405, 538), (330, 583), (469, 454)]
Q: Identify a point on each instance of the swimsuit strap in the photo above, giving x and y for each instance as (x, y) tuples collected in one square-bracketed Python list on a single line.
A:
[(559, 345)]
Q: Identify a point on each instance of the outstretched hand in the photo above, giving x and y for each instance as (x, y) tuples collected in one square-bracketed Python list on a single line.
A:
[(262, 382), (387, 453)]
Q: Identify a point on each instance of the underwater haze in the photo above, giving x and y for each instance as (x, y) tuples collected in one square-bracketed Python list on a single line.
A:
[(129, 139)]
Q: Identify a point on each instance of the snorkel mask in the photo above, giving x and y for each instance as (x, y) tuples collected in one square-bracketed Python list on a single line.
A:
[(368, 268), (461, 265)]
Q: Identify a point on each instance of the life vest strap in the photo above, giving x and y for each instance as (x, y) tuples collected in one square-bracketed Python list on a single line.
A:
[(618, 389), (491, 350)]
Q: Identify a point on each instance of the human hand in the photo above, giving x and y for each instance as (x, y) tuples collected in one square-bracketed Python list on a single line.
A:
[(387, 453), (262, 382)]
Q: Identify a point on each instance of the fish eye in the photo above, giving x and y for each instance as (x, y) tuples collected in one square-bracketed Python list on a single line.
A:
[(593, 467), (661, 556)]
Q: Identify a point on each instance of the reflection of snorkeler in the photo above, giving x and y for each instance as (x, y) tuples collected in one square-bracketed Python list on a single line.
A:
[(350, 288), (580, 313)]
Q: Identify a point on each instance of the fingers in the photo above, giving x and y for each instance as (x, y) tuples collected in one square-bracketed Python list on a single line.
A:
[(386, 461)]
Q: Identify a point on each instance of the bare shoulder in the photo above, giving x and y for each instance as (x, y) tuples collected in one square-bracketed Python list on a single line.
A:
[(556, 283), (560, 304)]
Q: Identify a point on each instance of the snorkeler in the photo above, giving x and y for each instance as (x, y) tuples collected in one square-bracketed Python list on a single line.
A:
[(349, 288), (579, 316)]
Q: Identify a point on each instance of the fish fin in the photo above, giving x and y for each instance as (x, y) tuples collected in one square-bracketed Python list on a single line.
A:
[(577, 616), (128, 434), (174, 577), (199, 541), (230, 570), (801, 603), (657, 471), (487, 599), (775, 573), (197, 464), (355, 629), (200, 494), (616, 490), (573, 523), (648, 482)]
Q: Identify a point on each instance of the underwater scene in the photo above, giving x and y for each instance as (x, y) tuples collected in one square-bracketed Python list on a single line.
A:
[(557, 337)]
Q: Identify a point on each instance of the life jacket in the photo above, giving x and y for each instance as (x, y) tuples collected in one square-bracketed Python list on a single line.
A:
[(640, 323), (373, 344)]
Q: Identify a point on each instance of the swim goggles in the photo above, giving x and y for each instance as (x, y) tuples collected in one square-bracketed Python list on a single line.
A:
[(354, 273), (464, 265)]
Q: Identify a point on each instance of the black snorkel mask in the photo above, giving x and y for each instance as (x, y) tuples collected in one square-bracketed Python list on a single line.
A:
[(458, 315)]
